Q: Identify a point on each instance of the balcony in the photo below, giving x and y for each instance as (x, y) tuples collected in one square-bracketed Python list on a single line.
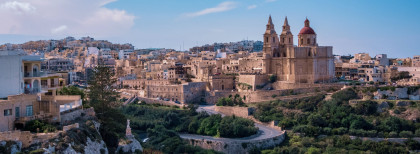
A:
[(31, 91), (37, 74)]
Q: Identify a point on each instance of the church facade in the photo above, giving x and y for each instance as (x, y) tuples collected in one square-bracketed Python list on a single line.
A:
[(305, 63)]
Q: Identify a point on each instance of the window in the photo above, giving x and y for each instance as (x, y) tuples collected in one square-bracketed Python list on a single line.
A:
[(8, 112), (17, 112), (274, 40), (301, 41), (29, 110), (266, 39), (309, 41)]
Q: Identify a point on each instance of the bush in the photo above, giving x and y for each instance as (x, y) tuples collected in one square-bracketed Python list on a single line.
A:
[(417, 134), (393, 134), (39, 126), (232, 126), (406, 134), (272, 79), (366, 108)]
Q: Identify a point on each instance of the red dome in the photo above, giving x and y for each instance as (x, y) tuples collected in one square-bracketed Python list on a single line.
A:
[(307, 30)]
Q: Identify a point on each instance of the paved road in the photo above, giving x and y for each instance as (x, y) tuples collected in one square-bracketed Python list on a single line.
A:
[(264, 132)]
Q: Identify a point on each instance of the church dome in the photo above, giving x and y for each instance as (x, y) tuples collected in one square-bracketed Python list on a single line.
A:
[(307, 30)]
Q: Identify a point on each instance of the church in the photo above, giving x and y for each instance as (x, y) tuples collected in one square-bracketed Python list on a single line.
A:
[(305, 63)]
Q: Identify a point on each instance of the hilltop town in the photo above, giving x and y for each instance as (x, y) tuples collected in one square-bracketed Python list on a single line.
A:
[(272, 84)]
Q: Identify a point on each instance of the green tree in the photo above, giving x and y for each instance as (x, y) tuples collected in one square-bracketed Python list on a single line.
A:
[(103, 97), (102, 94), (72, 90)]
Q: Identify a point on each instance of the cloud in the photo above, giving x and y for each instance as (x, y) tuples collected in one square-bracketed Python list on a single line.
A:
[(17, 7), (269, 1), (222, 7), (252, 7), (64, 17), (59, 29)]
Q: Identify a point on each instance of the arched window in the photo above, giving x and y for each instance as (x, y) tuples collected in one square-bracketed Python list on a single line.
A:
[(301, 41), (289, 40), (314, 40), (274, 40), (266, 39), (282, 39), (223, 87), (309, 41)]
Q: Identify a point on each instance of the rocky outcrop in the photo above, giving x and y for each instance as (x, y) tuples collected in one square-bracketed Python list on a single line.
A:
[(130, 145), (11, 147), (83, 137), (382, 107)]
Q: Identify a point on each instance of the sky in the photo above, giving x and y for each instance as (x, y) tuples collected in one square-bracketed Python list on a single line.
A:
[(350, 26)]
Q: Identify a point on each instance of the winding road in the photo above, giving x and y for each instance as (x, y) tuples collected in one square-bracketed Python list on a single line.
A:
[(264, 132)]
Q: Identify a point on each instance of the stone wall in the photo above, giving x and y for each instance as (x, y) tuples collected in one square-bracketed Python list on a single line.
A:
[(244, 112), (287, 85), (24, 136), (253, 79), (235, 147), (266, 95), (67, 117), (161, 102), (395, 140)]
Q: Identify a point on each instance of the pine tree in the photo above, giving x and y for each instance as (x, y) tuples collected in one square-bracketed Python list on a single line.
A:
[(102, 93)]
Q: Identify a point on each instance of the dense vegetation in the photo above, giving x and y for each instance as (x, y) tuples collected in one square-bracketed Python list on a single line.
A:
[(162, 125), (231, 101), (339, 144), (72, 90), (168, 141), (315, 116), (38, 126), (188, 120)]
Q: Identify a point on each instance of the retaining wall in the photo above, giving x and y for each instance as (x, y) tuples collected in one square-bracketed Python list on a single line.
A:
[(235, 147), (161, 102), (266, 95)]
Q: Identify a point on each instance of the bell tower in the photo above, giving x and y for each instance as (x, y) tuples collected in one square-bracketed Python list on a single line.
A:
[(286, 36), (271, 40)]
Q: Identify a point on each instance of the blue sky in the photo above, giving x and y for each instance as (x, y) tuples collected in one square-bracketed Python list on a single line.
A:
[(350, 26)]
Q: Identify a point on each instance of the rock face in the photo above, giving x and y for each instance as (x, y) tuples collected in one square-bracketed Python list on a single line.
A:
[(85, 138), (131, 145), (11, 147)]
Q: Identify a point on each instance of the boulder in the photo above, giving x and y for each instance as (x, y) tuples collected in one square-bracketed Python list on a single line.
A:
[(382, 106)]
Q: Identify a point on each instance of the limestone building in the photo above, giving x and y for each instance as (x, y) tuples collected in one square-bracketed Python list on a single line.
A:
[(305, 63)]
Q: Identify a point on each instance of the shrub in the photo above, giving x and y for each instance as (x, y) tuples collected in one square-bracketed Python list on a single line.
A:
[(417, 134), (393, 134), (41, 126), (273, 78), (406, 134)]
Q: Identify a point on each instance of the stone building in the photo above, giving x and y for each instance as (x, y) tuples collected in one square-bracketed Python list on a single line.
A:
[(305, 63)]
